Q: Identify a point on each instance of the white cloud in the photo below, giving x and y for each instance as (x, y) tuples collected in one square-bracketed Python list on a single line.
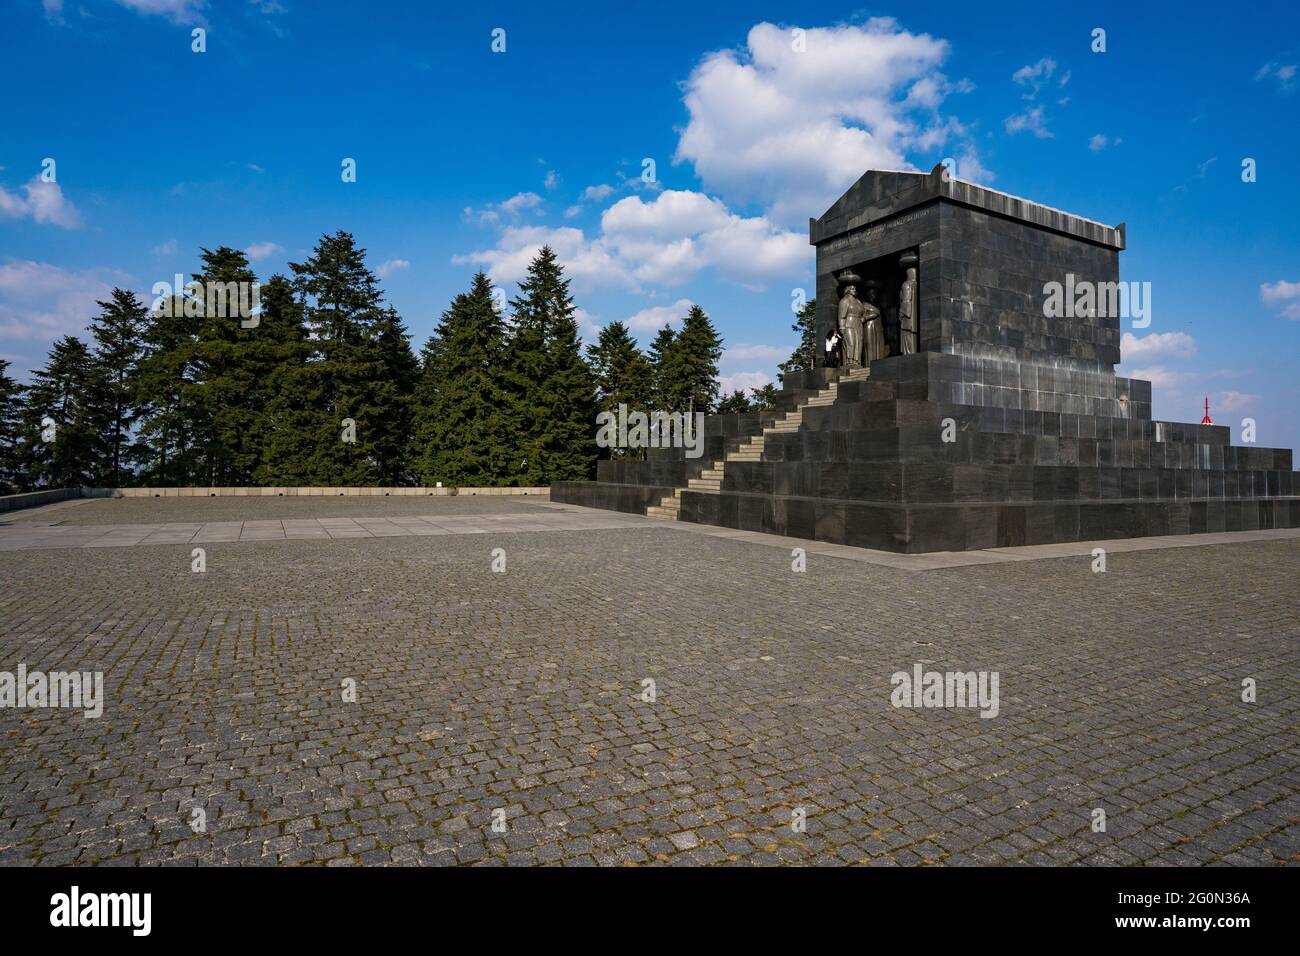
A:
[(597, 193), (552, 179), (510, 208), (165, 249), (1178, 344), (1285, 294), (53, 10), (1283, 73), (1232, 401), (40, 302), (744, 352), (1034, 77), (1159, 376), (1098, 143), (655, 318), (1031, 120), (392, 265), (178, 11), (44, 202), (262, 250), (743, 381), (793, 130), (663, 242)]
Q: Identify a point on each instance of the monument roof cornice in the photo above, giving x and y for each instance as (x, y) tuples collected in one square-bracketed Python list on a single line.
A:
[(880, 194)]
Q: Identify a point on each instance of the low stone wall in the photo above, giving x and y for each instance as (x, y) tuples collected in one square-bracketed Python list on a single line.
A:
[(34, 499), (270, 492)]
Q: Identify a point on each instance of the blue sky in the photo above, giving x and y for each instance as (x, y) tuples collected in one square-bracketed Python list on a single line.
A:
[(469, 159)]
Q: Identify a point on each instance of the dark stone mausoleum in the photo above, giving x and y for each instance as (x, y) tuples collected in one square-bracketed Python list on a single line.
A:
[(993, 420)]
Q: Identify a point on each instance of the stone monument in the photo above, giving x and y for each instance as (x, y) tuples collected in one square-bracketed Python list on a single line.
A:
[(979, 418)]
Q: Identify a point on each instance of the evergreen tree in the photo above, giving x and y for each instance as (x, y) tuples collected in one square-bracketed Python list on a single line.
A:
[(395, 393), (735, 402), (623, 376), (119, 344), (552, 393), (764, 398), (464, 432), (690, 366), (346, 379), (804, 355), (279, 353), (660, 358), (62, 433), (225, 391), (164, 395), (11, 407)]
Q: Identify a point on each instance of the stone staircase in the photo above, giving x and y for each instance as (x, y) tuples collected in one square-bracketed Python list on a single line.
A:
[(750, 449)]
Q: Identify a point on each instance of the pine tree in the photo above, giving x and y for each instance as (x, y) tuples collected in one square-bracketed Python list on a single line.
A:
[(11, 407), (623, 377), (119, 345), (804, 355), (62, 433), (464, 431), (395, 393), (552, 394)]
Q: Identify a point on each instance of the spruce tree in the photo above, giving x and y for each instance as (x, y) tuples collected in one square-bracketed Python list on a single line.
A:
[(464, 432), (119, 344), (11, 407), (62, 432), (164, 395)]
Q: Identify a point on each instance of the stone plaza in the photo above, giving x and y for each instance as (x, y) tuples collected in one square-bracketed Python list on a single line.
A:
[(632, 691)]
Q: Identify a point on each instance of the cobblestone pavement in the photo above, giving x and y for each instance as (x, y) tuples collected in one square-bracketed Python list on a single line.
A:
[(520, 692)]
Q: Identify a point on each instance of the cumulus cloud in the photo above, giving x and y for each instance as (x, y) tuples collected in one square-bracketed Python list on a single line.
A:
[(1178, 344), (392, 265), (1284, 294), (598, 193), (663, 242), (510, 208), (792, 130), (43, 202)]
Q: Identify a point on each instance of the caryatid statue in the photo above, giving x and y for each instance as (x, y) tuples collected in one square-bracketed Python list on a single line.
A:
[(873, 334), (853, 317), (907, 328)]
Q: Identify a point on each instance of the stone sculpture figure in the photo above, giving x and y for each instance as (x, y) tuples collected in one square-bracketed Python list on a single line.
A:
[(874, 332), (853, 316), (907, 308)]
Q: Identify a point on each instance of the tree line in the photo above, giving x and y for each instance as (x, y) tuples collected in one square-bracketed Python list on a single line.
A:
[(178, 393)]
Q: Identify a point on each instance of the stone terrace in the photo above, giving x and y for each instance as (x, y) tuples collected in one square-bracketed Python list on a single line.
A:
[(480, 691)]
